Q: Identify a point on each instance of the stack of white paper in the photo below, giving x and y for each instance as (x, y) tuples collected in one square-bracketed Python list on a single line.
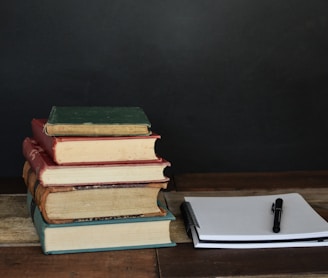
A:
[(247, 222)]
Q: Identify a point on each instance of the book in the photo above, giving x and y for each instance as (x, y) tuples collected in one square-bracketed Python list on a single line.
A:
[(102, 235), (97, 121), (95, 149), (62, 204), (50, 174), (248, 222)]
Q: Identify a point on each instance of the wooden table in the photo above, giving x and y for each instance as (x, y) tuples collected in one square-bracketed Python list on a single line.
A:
[(183, 260)]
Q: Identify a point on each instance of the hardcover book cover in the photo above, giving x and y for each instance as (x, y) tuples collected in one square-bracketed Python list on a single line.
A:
[(102, 235), (51, 174), (97, 121), (95, 149), (63, 204)]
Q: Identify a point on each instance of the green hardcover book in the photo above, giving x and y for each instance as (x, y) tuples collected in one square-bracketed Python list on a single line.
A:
[(102, 235), (97, 121)]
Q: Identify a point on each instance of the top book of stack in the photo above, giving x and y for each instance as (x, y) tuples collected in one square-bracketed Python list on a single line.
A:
[(97, 121)]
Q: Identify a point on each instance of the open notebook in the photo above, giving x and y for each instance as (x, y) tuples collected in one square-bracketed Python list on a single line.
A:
[(247, 222)]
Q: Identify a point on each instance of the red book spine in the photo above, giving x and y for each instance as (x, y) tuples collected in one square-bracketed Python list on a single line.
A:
[(48, 143), (33, 154)]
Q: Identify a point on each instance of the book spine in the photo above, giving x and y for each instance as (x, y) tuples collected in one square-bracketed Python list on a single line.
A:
[(46, 142), (40, 193), (32, 154), (37, 220), (30, 180)]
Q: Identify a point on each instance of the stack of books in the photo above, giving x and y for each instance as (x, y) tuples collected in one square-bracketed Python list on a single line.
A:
[(93, 179)]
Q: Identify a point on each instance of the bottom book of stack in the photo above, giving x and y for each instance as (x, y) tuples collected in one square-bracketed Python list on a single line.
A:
[(102, 235)]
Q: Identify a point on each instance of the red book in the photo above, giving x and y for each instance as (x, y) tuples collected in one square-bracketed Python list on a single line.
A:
[(94, 150), (49, 173)]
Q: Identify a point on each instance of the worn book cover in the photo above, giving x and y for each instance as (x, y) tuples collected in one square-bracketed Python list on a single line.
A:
[(97, 121), (95, 149), (51, 174), (62, 204), (102, 235)]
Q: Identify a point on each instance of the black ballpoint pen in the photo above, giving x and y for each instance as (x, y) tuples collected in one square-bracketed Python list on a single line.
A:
[(277, 209)]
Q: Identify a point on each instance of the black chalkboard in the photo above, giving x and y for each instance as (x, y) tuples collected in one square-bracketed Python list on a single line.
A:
[(230, 85)]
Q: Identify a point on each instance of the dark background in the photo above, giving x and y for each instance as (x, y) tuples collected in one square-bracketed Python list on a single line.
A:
[(231, 85)]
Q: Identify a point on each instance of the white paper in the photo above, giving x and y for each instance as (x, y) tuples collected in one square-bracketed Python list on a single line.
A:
[(250, 219)]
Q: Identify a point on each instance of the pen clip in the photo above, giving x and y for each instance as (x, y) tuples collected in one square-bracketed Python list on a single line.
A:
[(272, 208)]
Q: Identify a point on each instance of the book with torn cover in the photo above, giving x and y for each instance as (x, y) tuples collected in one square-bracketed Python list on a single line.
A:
[(252, 222)]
